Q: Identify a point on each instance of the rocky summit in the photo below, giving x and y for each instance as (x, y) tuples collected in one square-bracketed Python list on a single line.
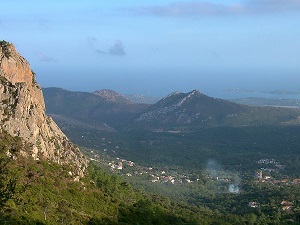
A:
[(188, 109), (112, 96), (23, 114)]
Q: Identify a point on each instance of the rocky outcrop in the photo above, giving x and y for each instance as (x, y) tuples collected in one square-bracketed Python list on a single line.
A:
[(23, 113), (112, 96), (13, 66)]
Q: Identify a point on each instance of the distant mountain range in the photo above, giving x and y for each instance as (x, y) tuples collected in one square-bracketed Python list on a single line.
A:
[(102, 108), (107, 109)]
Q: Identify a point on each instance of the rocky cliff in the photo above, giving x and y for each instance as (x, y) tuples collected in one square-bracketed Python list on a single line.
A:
[(23, 113)]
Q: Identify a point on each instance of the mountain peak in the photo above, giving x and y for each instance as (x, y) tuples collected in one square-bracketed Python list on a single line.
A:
[(174, 93), (7, 47), (195, 92), (112, 96), (13, 66), (186, 108), (106, 92)]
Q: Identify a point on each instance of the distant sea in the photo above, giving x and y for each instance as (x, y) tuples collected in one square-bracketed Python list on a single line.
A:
[(228, 94)]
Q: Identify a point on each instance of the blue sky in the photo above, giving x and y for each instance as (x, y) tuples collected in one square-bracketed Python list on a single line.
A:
[(158, 47)]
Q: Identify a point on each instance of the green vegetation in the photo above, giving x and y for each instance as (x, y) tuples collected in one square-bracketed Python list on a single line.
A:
[(233, 147), (204, 163), (39, 192), (186, 175), (4, 45), (9, 105)]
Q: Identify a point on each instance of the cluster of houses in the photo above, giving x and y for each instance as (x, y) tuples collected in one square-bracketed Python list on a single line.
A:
[(284, 205), (120, 164), (273, 162), (165, 179), (169, 179), (264, 175), (261, 178), (129, 169), (266, 161)]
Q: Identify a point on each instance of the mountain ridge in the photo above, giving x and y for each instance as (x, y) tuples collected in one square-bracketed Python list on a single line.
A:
[(186, 108), (140, 98), (112, 96), (108, 108), (189, 110)]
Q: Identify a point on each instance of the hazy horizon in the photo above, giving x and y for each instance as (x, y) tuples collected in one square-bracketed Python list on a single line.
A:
[(158, 47)]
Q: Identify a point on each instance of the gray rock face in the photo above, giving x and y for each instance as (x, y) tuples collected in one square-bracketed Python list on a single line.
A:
[(22, 114), (112, 96)]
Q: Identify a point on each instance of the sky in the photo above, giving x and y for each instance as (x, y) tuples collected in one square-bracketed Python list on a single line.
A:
[(220, 47)]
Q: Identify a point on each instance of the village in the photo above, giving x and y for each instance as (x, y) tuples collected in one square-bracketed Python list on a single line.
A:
[(269, 171), (154, 175)]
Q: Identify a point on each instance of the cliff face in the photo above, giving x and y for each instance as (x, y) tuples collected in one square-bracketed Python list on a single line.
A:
[(23, 113)]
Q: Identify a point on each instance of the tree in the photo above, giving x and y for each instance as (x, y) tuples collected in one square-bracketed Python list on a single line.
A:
[(7, 182)]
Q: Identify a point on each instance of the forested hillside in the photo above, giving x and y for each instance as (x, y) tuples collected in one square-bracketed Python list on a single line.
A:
[(40, 192)]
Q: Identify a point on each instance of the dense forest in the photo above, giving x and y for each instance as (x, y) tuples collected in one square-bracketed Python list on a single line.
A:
[(235, 171), (40, 192)]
